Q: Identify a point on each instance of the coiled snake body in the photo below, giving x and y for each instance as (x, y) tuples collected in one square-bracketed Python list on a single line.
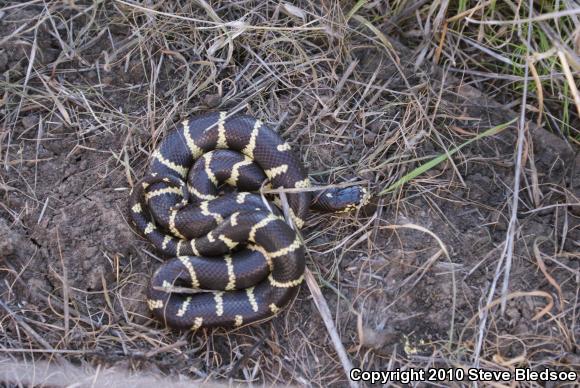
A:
[(236, 253)]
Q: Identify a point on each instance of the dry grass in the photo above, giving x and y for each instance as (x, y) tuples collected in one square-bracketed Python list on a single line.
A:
[(489, 44), (89, 88)]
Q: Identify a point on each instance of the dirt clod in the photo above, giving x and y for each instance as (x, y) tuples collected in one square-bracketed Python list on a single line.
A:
[(8, 239)]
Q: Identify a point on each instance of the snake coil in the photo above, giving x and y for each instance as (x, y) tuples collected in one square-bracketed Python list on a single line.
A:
[(234, 258)]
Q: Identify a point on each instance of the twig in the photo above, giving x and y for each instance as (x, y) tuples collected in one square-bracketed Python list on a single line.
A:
[(322, 307), (324, 311), (517, 174), (166, 348), (507, 252), (65, 289)]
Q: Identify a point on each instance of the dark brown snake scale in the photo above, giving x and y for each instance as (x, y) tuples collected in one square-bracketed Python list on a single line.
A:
[(234, 254)]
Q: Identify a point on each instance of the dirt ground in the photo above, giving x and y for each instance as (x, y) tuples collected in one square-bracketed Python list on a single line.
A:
[(88, 90)]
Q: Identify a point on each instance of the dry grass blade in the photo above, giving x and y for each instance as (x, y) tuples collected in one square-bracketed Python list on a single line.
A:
[(382, 37), (469, 12), (542, 266), (518, 294), (522, 127), (539, 90), (65, 289), (546, 16), (570, 79), (153, 11)]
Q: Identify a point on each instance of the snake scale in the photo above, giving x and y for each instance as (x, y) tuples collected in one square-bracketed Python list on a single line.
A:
[(233, 257)]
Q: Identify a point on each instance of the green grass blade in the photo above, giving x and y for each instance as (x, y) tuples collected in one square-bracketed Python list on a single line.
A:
[(355, 9), (435, 161)]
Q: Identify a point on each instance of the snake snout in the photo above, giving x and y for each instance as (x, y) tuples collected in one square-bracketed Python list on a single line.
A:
[(354, 197), (341, 199)]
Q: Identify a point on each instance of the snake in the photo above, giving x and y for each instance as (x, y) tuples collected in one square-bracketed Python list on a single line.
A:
[(232, 258)]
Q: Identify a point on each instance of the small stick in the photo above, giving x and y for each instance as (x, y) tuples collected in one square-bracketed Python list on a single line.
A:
[(522, 129), (65, 295), (323, 309), (166, 348)]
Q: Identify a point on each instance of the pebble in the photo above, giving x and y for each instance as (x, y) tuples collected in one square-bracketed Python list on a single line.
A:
[(369, 138), (29, 121), (212, 100), (574, 209), (3, 61)]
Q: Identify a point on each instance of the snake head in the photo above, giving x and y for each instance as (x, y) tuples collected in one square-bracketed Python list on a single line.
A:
[(341, 199)]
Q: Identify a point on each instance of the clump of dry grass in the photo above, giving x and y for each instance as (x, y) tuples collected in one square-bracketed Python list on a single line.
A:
[(105, 81), (488, 44)]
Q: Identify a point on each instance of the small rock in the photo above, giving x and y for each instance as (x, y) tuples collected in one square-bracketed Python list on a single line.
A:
[(8, 239), (371, 338), (212, 100), (107, 80), (375, 126), (84, 165), (513, 313), (574, 209), (370, 138), (521, 328), (94, 279), (500, 221), (29, 121), (367, 174), (294, 109)]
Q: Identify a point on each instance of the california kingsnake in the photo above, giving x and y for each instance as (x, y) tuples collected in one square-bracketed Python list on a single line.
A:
[(234, 253)]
